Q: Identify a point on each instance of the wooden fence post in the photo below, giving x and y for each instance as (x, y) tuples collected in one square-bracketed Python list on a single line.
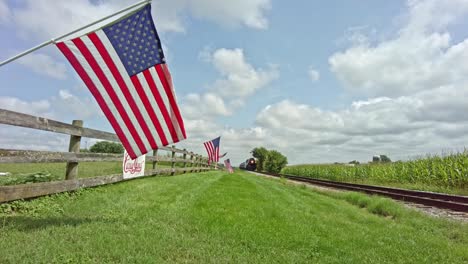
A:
[(199, 157), (74, 146), (185, 160), (191, 161), (173, 161), (155, 154), (201, 162)]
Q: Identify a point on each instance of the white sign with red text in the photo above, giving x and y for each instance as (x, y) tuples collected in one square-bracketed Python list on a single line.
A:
[(133, 167)]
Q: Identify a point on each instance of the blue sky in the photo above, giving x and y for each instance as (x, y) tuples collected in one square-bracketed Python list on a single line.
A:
[(319, 81)]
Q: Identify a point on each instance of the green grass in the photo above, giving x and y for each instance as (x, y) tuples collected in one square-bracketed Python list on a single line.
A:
[(447, 173), (220, 218), (57, 170)]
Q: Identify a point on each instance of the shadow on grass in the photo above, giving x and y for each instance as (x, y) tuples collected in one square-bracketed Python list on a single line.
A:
[(30, 223)]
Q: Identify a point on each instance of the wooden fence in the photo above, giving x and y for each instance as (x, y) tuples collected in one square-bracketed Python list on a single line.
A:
[(196, 163)]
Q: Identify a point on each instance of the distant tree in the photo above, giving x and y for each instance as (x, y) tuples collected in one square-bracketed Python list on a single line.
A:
[(275, 161), (354, 162), (84, 150), (260, 154), (107, 147), (385, 159), (376, 159)]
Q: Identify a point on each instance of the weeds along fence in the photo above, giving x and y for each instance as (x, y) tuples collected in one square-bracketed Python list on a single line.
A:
[(190, 161)]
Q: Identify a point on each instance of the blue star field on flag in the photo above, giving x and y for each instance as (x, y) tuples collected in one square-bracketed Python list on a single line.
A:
[(136, 41)]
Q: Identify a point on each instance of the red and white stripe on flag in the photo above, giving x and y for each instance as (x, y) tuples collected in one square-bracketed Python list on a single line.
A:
[(212, 150), (141, 108), (227, 163)]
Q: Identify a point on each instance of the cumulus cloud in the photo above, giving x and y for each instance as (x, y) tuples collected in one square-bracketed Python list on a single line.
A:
[(412, 91), (68, 105), (206, 105), (240, 78), (169, 15), (433, 15), (314, 75), (365, 128), (44, 64), (39, 17), (414, 86), (40, 107), (5, 13), (31, 139), (250, 13), (64, 106), (298, 115), (421, 56)]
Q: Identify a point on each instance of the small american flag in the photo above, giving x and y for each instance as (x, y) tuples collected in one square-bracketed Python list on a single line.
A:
[(123, 66), (212, 147), (227, 164)]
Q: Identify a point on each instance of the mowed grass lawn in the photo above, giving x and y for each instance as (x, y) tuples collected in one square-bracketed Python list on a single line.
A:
[(215, 217), (57, 170)]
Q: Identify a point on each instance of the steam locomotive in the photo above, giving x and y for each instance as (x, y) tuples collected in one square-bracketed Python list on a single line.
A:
[(250, 165)]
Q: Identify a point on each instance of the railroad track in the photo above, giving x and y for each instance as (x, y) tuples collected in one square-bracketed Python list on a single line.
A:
[(439, 200)]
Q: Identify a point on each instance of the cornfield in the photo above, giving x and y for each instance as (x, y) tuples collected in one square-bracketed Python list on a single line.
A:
[(447, 171)]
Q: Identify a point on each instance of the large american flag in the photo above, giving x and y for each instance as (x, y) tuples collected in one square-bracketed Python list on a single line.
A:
[(123, 66), (212, 148)]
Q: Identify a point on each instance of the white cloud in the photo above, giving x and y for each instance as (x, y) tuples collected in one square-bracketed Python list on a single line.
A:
[(65, 106), (5, 13), (298, 115), (433, 15), (314, 75), (206, 105), (31, 139), (400, 127), (417, 82), (68, 105), (49, 19), (240, 78), (45, 65), (232, 13), (444, 104), (40, 17), (420, 57), (65, 94), (39, 108)]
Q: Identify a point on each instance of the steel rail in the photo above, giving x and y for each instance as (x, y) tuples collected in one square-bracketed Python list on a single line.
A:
[(439, 200)]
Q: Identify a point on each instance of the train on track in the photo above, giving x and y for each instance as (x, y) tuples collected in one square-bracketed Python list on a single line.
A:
[(249, 164)]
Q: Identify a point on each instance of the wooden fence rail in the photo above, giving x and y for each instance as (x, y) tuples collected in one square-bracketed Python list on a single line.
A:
[(73, 157)]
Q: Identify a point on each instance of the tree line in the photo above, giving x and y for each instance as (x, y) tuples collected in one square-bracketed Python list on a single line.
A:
[(105, 147), (269, 160)]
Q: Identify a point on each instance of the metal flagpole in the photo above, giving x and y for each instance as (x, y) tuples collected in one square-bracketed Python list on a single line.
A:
[(70, 33)]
